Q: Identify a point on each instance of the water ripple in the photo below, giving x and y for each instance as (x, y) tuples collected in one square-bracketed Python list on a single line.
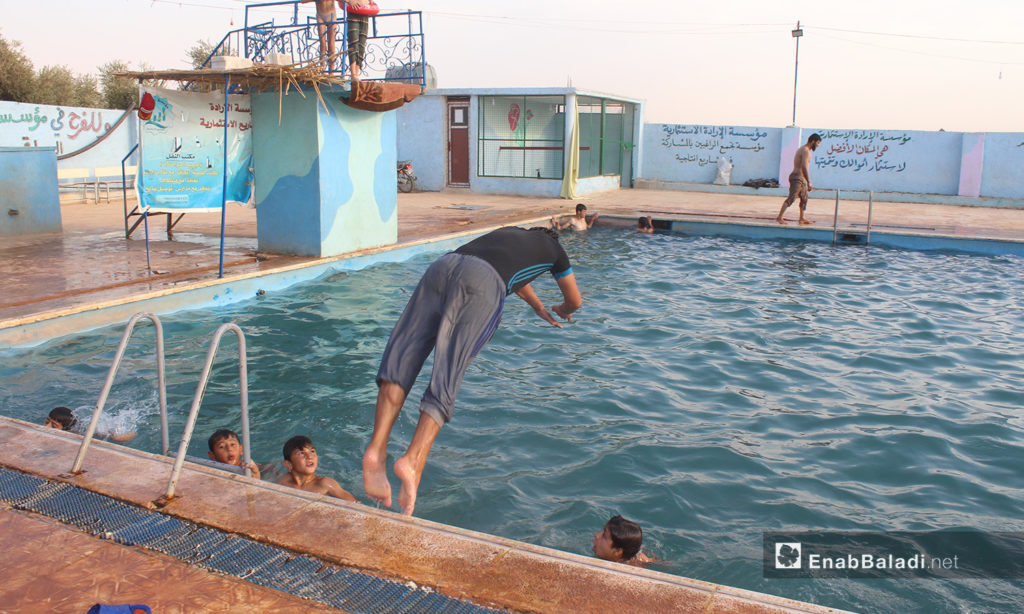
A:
[(710, 389)]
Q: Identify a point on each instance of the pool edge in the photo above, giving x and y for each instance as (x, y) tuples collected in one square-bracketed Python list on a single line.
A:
[(464, 564)]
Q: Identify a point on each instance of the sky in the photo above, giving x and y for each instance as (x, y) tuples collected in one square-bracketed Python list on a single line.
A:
[(871, 64)]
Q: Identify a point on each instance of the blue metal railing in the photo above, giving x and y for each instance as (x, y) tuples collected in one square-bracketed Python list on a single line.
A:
[(394, 46)]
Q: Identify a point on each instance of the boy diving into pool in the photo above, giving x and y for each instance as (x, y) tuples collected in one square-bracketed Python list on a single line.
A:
[(453, 312)]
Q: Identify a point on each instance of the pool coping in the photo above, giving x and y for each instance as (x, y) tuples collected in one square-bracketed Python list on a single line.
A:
[(459, 563), (693, 225)]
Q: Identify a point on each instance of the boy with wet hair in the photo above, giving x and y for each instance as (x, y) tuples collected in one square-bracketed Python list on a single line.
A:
[(580, 221), (301, 461), (226, 448), (60, 418), (64, 419), (619, 541), (645, 224)]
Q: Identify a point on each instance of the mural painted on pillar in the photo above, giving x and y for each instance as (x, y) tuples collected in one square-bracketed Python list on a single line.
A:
[(66, 128)]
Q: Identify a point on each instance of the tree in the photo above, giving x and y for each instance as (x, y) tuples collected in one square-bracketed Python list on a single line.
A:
[(54, 85), (198, 53), (86, 94), (118, 92), (16, 72)]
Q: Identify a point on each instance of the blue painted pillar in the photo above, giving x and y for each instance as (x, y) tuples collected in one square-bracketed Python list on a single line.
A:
[(324, 178), (29, 200)]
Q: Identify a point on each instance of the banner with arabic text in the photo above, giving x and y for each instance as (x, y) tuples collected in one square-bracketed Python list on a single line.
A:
[(182, 151)]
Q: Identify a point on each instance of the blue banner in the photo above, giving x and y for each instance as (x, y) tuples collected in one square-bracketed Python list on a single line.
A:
[(182, 144)]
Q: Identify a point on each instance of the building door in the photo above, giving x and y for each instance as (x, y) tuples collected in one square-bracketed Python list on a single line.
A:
[(458, 142), (626, 165)]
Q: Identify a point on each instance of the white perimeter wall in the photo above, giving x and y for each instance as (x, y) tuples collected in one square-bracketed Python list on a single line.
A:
[(909, 161), (69, 129)]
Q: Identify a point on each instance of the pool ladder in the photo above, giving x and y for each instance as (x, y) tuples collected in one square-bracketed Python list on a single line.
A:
[(852, 235), (197, 399)]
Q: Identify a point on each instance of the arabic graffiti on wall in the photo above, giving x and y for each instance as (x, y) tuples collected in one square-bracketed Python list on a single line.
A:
[(66, 128), (690, 152), (703, 145), (183, 151), (862, 150)]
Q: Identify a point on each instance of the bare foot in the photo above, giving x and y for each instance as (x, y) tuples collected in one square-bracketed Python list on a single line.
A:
[(410, 478), (375, 478), (806, 222), (781, 221)]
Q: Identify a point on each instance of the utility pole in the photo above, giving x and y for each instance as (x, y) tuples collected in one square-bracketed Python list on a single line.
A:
[(797, 33)]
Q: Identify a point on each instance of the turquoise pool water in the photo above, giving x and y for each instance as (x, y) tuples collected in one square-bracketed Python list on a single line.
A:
[(710, 389)]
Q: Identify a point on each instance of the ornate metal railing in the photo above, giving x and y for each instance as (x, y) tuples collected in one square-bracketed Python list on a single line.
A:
[(394, 44)]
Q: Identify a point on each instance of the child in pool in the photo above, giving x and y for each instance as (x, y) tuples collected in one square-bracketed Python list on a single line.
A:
[(619, 541), (580, 221), (301, 462), (225, 448), (64, 419), (60, 418), (645, 224)]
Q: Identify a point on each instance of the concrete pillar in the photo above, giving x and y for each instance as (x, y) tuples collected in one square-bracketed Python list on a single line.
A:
[(972, 160), (792, 139), (324, 177)]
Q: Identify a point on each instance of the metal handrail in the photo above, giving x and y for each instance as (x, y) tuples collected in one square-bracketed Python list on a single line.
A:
[(76, 468), (179, 460), (124, 194), (393, 48)]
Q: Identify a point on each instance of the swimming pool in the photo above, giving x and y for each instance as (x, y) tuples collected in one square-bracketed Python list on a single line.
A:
[(710, 389)]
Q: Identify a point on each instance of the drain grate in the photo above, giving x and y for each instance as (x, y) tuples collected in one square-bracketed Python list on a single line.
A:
[(256, 562)]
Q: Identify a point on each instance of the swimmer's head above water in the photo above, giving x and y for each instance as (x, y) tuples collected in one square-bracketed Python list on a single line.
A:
[(60, 418), (619, 540)]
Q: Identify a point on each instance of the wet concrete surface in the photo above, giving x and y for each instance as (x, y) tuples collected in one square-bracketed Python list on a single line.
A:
[(484, 569), (91, 261)]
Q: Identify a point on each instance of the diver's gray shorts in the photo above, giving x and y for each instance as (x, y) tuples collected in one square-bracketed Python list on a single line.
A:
[(454, 311)]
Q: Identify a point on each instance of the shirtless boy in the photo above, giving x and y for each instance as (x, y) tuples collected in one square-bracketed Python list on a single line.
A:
[(325, 28), (301, 462), (225, 448), (580, 221), (800, 179)]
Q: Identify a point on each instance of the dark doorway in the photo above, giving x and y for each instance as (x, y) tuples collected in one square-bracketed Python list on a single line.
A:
[(458, 142)]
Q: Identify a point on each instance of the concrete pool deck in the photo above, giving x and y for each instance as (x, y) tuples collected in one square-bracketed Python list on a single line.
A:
[(66, 570), (91, 264), (90, 261)]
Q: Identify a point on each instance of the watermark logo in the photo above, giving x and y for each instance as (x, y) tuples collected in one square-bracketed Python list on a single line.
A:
[(897, 554), (787, 555)]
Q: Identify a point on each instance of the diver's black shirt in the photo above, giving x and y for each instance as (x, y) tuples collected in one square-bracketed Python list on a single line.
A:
[(519, 255)]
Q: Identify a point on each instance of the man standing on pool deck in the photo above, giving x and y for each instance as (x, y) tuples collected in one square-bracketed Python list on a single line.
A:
[(800, 179), (454, 312)]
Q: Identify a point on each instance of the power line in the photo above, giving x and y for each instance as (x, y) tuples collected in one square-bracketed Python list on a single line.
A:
[(921, 36), (924, 53)]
